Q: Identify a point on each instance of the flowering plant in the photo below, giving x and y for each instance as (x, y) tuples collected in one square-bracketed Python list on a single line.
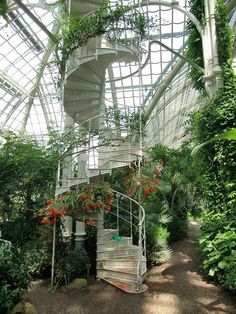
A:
[(144, 183), (89, 198), (95, 196), (52, 212)]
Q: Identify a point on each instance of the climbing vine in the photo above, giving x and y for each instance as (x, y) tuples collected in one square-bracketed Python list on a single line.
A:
[(108, 20), (218, 163), (224, 35), (217, 116), (195, 51)]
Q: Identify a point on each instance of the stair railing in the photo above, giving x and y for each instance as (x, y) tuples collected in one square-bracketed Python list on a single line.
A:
[(136, 223), (84, 139)]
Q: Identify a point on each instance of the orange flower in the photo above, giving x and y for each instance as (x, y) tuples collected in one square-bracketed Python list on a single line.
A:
[(49, 202)]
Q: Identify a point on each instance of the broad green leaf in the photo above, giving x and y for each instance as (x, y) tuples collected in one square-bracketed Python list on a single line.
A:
[(228, 135), (222, 264)]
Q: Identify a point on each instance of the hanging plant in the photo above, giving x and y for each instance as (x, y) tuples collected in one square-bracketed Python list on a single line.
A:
[(97, 196), (88, 199)]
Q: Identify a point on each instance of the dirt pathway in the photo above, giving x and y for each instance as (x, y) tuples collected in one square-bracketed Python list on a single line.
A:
[(175, 287)]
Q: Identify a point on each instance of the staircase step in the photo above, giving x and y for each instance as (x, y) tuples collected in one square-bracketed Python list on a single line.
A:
[(118, 248), (91, 69), (117, 253), (127, 286), (120, 275), (121, 262), (114, 243), (107, 235), (125, 270)]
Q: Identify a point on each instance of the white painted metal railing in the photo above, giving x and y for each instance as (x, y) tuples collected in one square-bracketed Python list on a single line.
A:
[(88, 150), (129, 211)]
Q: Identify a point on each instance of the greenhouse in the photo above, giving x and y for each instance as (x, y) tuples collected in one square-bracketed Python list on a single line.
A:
[(117, 156)]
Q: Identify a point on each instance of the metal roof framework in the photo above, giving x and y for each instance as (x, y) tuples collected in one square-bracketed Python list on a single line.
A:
[(30, 100)]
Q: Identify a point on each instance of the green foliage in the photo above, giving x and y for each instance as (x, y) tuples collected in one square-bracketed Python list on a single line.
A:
[(218, 160), (225, 36), (20, 230), (77, 30), (177, 228), (218, 247), (228, 135), (37, 258), (91, 245), (157, 244), (195, 50), (70, 264), (180, 172), (27, 175), (14, 278), (213, 124)]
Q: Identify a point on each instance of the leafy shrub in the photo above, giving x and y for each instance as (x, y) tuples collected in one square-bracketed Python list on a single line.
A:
[(177, 228), (70, 265), (157, 244), (37, 258), (218, 246), (14, 279), (21, 230)]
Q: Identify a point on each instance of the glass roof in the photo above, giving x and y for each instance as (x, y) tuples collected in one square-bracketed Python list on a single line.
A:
[(30, 98)]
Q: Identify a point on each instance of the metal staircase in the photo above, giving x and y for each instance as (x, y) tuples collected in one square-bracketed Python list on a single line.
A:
[(94, 144), (121, 260)]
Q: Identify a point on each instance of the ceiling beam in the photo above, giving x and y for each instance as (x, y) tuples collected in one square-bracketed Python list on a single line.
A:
[(34, 18)]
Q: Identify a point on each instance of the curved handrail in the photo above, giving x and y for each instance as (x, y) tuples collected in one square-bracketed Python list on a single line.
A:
[(141, 230), (133, 200), (91, 119)]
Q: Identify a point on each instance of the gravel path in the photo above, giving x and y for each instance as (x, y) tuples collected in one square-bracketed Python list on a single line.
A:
[(176, 287)]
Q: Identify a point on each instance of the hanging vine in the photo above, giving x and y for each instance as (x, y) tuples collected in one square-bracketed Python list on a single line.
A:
[(77, 30), (195, 51)]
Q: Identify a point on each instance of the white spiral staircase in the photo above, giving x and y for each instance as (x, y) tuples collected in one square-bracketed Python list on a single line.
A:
[(95, 146)]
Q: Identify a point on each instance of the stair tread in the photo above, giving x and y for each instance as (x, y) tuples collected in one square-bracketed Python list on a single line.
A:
[(122, 238), (118, 248), (123, 259), (126, 270), (110, 230), (127, 286)]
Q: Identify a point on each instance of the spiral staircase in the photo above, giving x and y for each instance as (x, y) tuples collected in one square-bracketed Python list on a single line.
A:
[(98, 144)]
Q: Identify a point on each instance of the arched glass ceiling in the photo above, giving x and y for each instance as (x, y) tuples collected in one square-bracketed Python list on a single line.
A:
[(178, 98), (28, 92), (29, 98)]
